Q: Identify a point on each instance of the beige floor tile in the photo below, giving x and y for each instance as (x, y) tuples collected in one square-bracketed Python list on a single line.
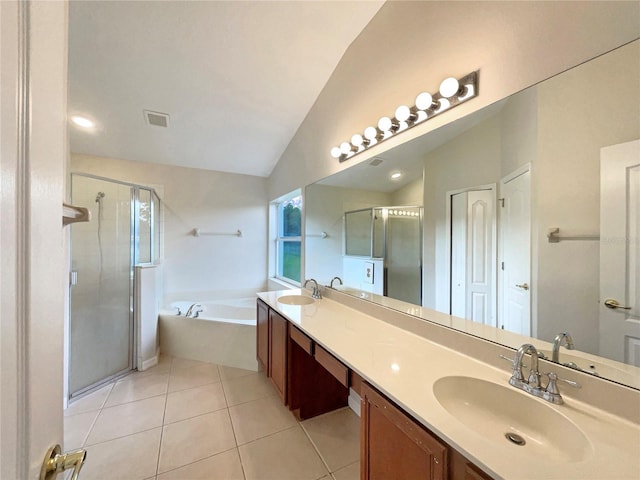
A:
[(126, 419), (127, 458), (287, 455), (247, 388), (336, 435), (193, 402), (178, 363), (195, 439), (351, 472), (93, 401), (189, 377), (223, 466), (76, 429), (227, 373), (259, 418), (134, 388)]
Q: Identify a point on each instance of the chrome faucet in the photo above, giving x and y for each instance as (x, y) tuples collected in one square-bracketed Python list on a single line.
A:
[(532, 385), (316, 290), (557, 342), (333, 279), (190, 310)]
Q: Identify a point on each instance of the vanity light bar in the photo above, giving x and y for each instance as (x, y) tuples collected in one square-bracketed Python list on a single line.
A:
[(452, 92)]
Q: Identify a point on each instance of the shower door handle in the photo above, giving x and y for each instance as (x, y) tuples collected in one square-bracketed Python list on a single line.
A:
[(73, 278)]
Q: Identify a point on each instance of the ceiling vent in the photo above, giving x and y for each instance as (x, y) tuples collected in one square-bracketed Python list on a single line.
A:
[(156, 119), (375, 162)]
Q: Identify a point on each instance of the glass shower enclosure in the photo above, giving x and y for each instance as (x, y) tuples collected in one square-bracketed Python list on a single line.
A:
[(392, 234), (123, 232)]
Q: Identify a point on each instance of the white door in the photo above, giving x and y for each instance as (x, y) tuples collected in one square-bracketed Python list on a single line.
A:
[(473, 256), (515, 261), (32, 273), (620, 252)]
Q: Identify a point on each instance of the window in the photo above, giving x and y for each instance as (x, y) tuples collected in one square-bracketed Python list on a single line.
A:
[(289, 240)]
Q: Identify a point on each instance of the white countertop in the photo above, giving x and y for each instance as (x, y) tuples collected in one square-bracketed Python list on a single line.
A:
[(405, 366)]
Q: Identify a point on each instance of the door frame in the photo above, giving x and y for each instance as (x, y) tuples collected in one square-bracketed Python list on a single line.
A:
[(501, 283), (33, 155), (445, 274)]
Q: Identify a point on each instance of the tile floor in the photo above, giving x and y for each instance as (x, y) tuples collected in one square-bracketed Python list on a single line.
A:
[(184, 420)]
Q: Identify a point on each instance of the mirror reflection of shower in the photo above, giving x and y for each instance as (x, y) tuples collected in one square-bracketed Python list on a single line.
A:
[(99, 199)]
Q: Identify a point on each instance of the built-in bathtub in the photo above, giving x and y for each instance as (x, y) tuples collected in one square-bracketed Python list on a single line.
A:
[(223, 333)]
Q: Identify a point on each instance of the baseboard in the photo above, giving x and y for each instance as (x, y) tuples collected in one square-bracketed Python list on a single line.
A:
[(151, 362)]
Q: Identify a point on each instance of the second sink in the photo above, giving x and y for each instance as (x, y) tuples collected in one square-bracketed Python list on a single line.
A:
[(295, 300), (512, 419)]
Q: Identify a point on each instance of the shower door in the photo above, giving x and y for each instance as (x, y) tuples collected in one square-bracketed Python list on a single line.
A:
[(101, 320), (403, 258)]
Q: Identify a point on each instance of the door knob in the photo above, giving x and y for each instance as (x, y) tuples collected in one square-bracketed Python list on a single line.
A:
[(56, 462), (613, 304), (524, 286)]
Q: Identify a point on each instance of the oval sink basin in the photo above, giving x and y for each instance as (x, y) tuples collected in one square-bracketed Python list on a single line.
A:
[(504, 415), (295, 300)]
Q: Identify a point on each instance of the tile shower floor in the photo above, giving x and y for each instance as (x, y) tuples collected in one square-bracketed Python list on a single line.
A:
[(184, 420)]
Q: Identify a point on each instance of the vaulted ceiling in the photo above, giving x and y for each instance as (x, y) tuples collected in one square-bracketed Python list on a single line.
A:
[(236, 78)]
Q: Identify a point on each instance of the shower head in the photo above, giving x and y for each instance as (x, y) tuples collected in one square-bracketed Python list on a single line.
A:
[(99, 196)]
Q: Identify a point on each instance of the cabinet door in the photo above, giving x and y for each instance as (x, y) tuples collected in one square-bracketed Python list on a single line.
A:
[(394, 446), (278, 338), (262, 334)]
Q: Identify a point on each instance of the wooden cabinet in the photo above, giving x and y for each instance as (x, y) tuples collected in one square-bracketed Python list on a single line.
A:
[(312, 389), (278, 341), (311, 381), (262, 336), (393, 445)]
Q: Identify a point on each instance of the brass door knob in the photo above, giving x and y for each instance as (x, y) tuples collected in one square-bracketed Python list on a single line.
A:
[(523, 286), (613, 304)]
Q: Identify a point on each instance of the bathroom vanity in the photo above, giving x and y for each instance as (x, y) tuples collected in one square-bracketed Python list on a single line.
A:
[(428, 411)]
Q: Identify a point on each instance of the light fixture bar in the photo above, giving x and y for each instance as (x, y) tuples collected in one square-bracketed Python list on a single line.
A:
[(452, 93)]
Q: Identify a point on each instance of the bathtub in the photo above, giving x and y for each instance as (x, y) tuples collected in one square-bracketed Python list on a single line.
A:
[(224, 332)]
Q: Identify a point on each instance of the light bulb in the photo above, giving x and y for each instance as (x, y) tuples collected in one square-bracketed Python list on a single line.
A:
[(370, 133), (403, 113), (345, 147), (82, 121), (444, 104), (449, 87), (385, 124), (424, 101), (335, 152), (357, 140), (396, 175)]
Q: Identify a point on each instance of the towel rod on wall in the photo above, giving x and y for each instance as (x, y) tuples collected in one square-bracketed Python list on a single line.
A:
[(73, 214), (320, 235), (553, 235), (197, 233)]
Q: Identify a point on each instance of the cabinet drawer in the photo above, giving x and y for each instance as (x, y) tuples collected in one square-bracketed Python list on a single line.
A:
[(301, 339), (332, 365)]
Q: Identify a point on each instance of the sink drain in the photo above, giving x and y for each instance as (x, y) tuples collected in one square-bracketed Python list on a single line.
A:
[(515, 438)]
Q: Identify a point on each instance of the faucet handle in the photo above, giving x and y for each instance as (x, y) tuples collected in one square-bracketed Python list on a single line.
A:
[(552, 386)]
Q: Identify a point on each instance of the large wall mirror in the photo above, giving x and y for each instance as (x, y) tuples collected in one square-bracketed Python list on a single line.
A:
[(527, 213)]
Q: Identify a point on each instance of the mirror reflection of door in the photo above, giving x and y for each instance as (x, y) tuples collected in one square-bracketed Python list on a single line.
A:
[(515, 253), (620, 252), (473, 254)]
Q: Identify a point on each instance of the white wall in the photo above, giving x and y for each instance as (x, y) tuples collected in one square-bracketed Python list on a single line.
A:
[(325, 207), (211, 201), (567, 184), (409, 47)]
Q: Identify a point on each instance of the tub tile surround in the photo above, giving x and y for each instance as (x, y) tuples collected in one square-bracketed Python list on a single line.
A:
[(370, 339), (232, 427)]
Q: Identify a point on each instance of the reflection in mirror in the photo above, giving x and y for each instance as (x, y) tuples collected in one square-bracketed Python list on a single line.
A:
[(531, 216)]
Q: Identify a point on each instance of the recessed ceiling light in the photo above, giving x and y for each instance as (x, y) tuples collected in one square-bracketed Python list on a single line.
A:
[(395, 175), (83, 122)]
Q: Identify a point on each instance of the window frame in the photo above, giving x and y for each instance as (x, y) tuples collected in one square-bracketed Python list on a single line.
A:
[(280, 238)]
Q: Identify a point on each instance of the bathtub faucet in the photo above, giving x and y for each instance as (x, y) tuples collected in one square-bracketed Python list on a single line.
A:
[(190, 310)]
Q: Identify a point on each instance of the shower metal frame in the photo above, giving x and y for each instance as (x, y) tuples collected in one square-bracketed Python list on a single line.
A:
[(134, 228)]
